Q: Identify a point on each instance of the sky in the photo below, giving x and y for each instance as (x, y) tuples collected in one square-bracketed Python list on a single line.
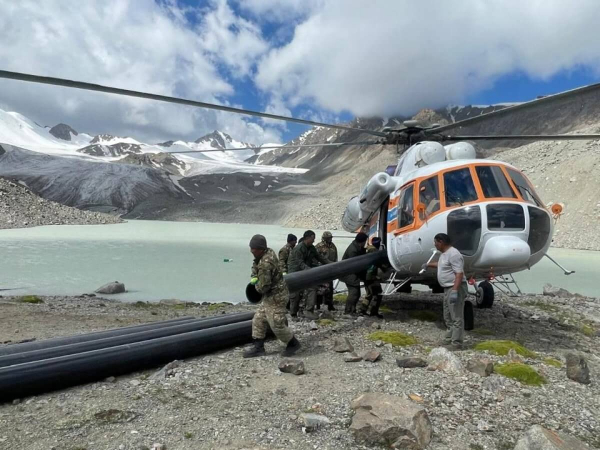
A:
[(323, 60)]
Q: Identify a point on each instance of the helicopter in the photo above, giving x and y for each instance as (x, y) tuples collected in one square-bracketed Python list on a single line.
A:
[(489, 208)]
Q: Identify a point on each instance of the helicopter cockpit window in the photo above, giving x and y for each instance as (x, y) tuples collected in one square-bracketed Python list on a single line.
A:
[(458, 187), (407, 207), (524, 187), (493, 182), (429, 195), (464, 228)]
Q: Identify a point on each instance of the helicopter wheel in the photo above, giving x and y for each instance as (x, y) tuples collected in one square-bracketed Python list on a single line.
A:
[(469, 316), (485, 295)]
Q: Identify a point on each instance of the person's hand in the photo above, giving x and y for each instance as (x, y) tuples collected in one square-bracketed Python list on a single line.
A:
[(253, 281), (453, 297), (424, 267)]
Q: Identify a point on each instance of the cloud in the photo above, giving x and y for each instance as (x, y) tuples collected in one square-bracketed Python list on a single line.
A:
[(132, 44), (396, 57)]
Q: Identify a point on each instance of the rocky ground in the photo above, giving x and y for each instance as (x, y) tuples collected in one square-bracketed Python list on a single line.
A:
[(221, 401), (21, 208)]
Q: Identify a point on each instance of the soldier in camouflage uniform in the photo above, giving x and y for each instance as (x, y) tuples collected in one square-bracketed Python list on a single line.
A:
[(372, 300), (284, 256), (305, 257), (355, 249), (328, 250), (284, 253), (268, 280)]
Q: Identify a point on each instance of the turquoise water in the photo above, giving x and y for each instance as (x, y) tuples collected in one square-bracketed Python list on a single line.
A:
[(185, 260), (156, 260)]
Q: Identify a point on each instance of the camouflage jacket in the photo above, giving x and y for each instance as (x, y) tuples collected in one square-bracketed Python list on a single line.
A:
[(304, 257), (329, 251), (284, 255), (270, 279)]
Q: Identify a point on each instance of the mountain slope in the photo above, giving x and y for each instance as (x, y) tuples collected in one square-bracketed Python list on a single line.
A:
[(83, 183)]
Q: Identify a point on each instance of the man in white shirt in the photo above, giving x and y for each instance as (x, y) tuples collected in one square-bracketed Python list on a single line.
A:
[(450, 273)]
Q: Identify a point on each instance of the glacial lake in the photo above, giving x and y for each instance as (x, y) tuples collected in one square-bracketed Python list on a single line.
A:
[(186, 260)]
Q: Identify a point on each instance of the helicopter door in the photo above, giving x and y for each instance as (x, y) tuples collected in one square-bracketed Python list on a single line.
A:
[(401, 221)]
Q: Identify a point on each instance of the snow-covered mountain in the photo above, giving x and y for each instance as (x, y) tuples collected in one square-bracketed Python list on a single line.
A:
[(63, 140)]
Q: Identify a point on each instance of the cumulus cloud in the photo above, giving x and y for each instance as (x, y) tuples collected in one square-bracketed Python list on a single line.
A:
[(132, 44), (395, 57)]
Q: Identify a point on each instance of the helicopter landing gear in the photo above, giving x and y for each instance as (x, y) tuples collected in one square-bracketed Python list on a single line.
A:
[(469, 316), (484, 295)]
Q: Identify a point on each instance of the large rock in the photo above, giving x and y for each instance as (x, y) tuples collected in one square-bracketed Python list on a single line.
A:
[(445, 361), (577, 368), (112, 288), (553, 291), (539, 438), (395, 422), (342, 346), (411, 362), (372, 355), (482, 367), (294, 366), (312, 421)]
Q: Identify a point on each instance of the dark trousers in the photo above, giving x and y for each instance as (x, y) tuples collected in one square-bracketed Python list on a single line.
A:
[(353, 296)]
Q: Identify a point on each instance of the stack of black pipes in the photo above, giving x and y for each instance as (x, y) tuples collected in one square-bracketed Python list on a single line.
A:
[(35, 367)]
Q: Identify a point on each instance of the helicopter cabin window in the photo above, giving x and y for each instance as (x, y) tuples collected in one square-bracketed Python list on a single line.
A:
[(505, 217), (493, 182), (524, 187), (464, 228), (407, 207), (458, 187), (539, 229), (429, 195)]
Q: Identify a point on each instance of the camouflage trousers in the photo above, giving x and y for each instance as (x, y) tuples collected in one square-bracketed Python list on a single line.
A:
[(372, 300), (271, 313)]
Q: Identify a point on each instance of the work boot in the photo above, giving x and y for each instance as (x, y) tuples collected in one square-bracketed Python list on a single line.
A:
[(292, 347), (257, 349)]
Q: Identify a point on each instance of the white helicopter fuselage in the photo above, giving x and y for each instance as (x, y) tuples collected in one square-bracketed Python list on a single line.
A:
[(488, 208)]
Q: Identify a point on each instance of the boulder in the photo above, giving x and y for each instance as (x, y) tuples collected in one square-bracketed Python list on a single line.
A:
[(391, 421), (539, 438), (411, 363), (372, 356), (111, 288), (553, 291), (445, 361), (342, 346), (482, 367), (577, 368), (312, 421), (294, 366)]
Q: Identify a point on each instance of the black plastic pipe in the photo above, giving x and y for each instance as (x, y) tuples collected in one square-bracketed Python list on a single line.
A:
[(36, 377), (80, 347), (11, 349), (297, 281)]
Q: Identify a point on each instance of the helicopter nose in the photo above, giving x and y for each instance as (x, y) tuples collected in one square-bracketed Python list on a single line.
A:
[(505, 252)]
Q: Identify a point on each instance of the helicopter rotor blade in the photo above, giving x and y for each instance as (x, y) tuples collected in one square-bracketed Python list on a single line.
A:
[(283, 147), (526, 137), (511, 109), (164, 98)]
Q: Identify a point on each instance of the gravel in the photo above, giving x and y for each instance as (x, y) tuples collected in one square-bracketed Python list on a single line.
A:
[(21, 208), (224, 401)]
